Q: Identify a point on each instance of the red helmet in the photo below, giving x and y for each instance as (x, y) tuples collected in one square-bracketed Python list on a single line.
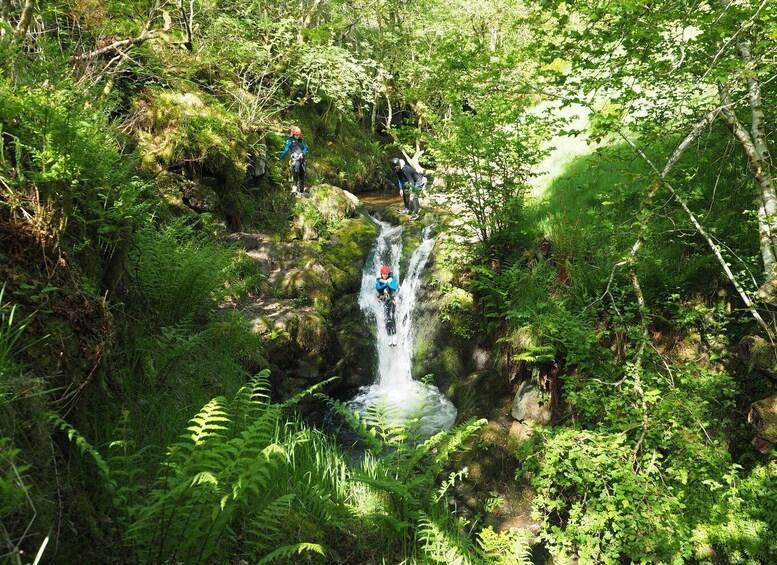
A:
[(384, 270), (295, 130)]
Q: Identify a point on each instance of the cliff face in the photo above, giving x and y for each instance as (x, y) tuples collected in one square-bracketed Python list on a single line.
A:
[(307, 312)]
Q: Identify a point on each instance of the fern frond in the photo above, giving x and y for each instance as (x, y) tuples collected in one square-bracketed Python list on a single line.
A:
[(255, 395), (208, 422), (391, 486), (311, 390), (85, 448), (441, 544), (289, 551), (506, 548), (444, 445), (383, 520), (265, 527), (364, 432)]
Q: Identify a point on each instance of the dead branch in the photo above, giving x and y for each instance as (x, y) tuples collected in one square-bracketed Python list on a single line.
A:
[(147, 34)]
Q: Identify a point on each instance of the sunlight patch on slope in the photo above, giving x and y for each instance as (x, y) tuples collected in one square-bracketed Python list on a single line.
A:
[(563, 149)]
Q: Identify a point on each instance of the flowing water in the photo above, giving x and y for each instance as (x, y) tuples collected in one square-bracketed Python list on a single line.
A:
[(395, 394)]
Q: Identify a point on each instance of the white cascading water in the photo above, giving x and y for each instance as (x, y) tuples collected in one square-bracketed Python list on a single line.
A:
[(401, 399)]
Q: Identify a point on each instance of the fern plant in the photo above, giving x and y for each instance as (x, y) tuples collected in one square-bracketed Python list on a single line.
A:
[(247, 482), (400, 470), (176, 274), (512, 547), (223, 490)]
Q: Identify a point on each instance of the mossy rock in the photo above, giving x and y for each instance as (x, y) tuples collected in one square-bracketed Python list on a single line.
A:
[(457, 307), (273, 255), (192, 127), (352, 354), (309, 283), (308, 223), (319, 211), (333, 202), (763, 416), (411, 239), (289, 329), (345, 253), (759, 355)]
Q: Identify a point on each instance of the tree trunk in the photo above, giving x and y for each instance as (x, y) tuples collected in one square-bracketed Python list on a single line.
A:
[(713, 246), (188, 22), (24, 22), (755, 145), (306, 21)]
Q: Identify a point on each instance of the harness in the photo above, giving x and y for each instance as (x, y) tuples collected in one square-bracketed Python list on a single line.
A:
[(297, 153)]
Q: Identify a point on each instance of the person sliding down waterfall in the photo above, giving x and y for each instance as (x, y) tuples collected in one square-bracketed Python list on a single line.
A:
[(387, 285)]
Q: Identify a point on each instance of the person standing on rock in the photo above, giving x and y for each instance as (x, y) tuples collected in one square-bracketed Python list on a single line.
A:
[(298, 154), (387, 286), (410, 182)]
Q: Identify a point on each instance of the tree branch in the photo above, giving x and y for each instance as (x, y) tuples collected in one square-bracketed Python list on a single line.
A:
[(700, 229), (144, 36), (758, 156)]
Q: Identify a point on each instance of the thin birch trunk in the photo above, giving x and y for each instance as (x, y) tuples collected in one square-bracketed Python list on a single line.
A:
[(306, 21), (715, 248), (756, 148), (24, 22), (188, 22)]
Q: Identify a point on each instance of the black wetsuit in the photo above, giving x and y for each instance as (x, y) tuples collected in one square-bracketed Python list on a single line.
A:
[(386, 288)]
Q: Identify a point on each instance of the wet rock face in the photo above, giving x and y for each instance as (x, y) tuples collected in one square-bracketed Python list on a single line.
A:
[(308, 311), (442, 345)]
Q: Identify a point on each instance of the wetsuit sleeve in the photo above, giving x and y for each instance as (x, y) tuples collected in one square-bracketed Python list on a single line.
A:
[(285, 149), (393, 283), (304, 148)]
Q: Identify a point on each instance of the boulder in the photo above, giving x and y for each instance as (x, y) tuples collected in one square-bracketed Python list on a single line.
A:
[(352, 353), (247, 241), (763, 417), (529, 404), (759, 355), (315, 213), (296, 336), (308, 281), (333, 203), (520, 432), (345, 251)]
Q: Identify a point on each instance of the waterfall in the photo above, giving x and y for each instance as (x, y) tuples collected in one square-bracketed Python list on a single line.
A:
[(395, 393)]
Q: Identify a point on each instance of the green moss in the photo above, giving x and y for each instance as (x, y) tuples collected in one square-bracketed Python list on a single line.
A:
[(420, 350), (175, 127), (457, 309), (345, 252), (767, 412), (449, 358), (761, 355), (411, 239)]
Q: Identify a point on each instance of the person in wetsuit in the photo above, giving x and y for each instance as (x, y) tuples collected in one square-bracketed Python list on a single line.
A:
[(298, 151), (387, 286), (411, 183)]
